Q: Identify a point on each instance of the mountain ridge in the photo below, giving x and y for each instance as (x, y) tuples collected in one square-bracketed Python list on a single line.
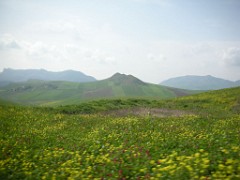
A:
[(194, 82), (9, 75)]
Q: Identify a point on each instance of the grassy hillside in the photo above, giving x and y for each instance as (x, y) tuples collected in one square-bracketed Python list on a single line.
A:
[(212, 103), (50, 143), (62, 93)]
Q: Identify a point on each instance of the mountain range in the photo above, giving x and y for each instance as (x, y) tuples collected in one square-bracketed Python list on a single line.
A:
[(200, 83), (51, 93), (16, 75), (41, 87)]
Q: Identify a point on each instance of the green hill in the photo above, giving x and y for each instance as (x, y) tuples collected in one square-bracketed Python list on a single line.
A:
[(36, 92), (212, 103)]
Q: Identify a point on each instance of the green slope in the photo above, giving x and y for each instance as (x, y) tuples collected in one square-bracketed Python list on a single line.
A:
[(213, 103), (37, 92)]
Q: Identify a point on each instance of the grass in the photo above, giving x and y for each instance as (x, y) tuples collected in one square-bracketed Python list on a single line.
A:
[(71, 142)]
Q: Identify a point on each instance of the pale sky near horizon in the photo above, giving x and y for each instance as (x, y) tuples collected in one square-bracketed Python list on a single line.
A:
[(151, 39)]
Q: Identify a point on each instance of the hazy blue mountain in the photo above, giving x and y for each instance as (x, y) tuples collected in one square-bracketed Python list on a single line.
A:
[(237, 83), (14, 75), (199, 83)]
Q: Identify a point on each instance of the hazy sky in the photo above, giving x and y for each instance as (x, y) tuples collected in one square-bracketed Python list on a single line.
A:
[(151, 39)]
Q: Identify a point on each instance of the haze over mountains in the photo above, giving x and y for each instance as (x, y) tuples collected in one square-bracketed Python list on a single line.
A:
[(15, 75), (190, 82), (200, 83)]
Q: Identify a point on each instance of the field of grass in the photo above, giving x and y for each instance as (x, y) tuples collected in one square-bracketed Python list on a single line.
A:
[(84, 142)]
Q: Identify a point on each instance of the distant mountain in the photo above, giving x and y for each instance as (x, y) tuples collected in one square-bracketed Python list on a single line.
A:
[(199, 83), (62, 92), (13, 75), (237, 83)]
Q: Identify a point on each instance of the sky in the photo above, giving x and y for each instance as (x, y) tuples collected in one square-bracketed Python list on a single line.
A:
[(153, 40)]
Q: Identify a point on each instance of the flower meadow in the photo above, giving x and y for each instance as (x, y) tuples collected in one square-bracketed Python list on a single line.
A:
[(45, 143)]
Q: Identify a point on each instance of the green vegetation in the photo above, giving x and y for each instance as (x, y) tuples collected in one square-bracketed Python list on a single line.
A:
[(53, 93), (70, 142)]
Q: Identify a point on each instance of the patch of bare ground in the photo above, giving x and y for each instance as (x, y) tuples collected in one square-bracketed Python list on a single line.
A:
[(140, 111)]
